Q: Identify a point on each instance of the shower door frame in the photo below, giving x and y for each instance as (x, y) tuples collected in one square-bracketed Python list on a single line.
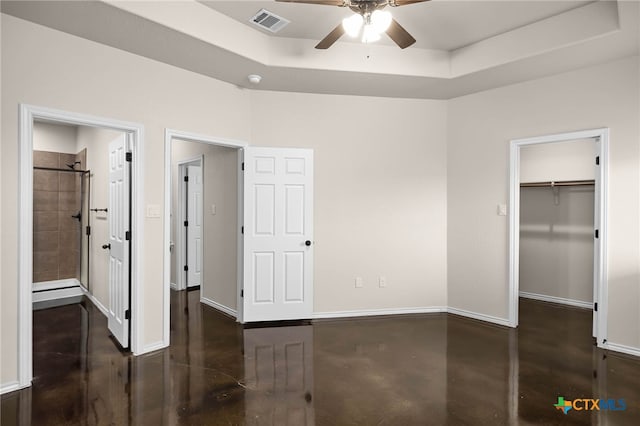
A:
[(27, 115)]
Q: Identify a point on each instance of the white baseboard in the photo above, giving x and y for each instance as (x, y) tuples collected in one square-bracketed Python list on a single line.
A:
[(482, 317), (10, 387), (554, 299), (55, 284), (227, 310), (629, 350), (377, 312), (173, 286), (151, 347), (46, 294), (96, 302)]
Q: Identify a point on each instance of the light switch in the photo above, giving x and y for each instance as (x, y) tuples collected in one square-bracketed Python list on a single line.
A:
[(359, 282), (213, 209), (153, 210), (502, 209)]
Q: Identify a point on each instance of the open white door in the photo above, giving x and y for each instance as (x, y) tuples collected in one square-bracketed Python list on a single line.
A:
[(194, 230), (118, 215), (278, 234), (596, 243)]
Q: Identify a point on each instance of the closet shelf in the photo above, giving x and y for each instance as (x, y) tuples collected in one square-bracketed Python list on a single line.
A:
[(558, 183)]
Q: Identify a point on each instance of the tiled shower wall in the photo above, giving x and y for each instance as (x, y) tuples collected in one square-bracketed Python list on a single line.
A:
[(56, 235)]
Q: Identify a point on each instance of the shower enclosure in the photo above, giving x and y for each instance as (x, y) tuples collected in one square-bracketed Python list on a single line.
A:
[(61, 190)]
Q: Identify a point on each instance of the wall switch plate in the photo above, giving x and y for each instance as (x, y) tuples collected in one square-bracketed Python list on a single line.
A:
[(382, 281), (213, 209), (153, 210), (502, 209), (359, 282)]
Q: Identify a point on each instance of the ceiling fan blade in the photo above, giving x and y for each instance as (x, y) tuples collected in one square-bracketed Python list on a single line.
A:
[(331, 38), (327, 2), (399, 35), (403, 2)]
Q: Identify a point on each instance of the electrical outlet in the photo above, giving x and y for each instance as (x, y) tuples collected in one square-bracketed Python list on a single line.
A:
[(359, 282), (382, 281)]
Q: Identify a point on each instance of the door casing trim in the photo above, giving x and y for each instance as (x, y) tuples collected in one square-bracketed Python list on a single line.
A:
[(27, 114)]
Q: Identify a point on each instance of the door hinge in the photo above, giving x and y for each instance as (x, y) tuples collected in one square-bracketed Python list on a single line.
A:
[(598, 160), (243, 165), (128, 156), (595, 306), (242, 230), (186, 178), (186, 267), (597, 233), (127, 314), (186, 223), (241, 293), (127, 235), (88, 230)]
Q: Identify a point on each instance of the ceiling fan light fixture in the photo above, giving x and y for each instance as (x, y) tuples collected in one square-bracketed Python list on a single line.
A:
[(370, 34), (380, 20), (352, 25)]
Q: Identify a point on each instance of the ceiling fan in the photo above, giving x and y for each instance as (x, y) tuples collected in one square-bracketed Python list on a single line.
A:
[(369, 20)]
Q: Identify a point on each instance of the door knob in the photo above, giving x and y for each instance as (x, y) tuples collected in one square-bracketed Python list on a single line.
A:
[(106, 246), (307, 243)]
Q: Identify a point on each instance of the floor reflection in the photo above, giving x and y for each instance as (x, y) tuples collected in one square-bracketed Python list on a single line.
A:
[(432, 369)]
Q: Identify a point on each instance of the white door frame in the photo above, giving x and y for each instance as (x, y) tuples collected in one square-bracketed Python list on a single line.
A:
[(27, 115), (169, 136), (600, 265), (179, 232)]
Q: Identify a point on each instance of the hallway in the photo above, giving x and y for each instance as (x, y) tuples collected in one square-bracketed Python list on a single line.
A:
[(424, 369)]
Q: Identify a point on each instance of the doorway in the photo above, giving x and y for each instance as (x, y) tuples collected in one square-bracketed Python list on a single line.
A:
[(597, 138), (202, 217), (132, 132)]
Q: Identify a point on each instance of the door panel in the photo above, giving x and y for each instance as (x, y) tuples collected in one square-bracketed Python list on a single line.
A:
[(278, 220), (194, 231), (118, 216)]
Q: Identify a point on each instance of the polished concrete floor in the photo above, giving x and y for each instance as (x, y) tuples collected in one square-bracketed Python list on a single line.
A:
[(412, 370)]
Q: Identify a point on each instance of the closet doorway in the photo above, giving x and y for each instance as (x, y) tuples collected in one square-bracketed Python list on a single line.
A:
[(558, 223)]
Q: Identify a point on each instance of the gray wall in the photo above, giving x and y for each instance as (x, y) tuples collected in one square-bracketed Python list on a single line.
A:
[(556, 242), (480, 128)]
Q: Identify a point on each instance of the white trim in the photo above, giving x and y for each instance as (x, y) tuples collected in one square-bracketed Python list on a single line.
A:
[(57, 293), (478, 316), (379, 312), (600, 266), (554, 299), (173, 286), (96, 303), (27, 115), (227, 310), (169, 135), (156, 346), (55, 284), (10, 387), (629, 350)]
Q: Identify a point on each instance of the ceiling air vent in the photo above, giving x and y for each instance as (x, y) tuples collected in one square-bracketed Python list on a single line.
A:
[(269, 21)]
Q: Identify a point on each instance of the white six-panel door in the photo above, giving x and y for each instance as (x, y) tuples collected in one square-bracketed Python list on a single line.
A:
[(278, 234), (194, 230), (118, 216)]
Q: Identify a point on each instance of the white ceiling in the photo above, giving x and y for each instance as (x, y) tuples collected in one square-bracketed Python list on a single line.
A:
[(437, 24), (463, 46)]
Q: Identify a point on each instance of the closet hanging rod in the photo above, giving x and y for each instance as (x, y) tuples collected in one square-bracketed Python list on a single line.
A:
[(558, 183)]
